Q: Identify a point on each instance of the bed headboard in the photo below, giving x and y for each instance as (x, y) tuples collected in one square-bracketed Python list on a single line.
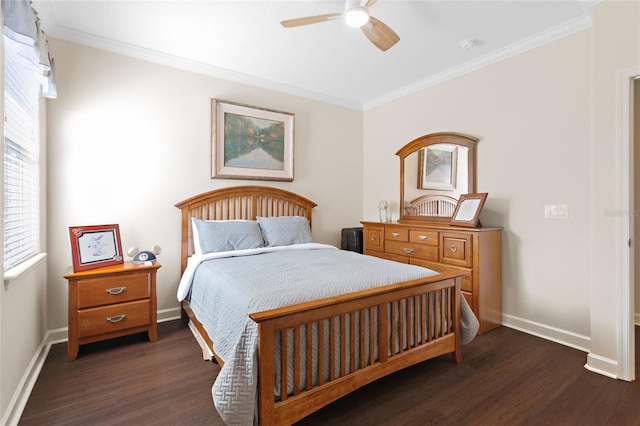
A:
[(238, 202), (432, 205)]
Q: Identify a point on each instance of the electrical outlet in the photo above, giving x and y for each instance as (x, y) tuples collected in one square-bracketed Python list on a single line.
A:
[(556, 211)]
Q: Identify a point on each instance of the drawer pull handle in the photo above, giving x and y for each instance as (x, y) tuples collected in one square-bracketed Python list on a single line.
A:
[(395, 234), (454, 249), (373, 238), (408, 250), (116, 318), (116, 290), (422, 237)]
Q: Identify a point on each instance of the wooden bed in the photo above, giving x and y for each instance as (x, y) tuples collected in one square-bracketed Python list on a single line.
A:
[(425, 338)]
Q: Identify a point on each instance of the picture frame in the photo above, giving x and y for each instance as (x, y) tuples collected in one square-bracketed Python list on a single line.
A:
[(249, 142), (467, 212), (95, 246), (437, 167)]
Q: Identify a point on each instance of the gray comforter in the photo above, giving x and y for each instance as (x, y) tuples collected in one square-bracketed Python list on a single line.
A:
[(224, 290)]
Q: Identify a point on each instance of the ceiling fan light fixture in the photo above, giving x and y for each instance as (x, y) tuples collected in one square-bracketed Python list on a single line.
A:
[(356, 16)]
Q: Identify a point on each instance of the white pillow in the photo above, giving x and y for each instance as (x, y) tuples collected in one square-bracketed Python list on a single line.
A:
[(285, 230), (225, 235)]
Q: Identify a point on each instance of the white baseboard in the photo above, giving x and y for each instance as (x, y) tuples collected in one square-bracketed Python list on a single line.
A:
[(58, 335), (28, 381), (169, 314), (601, 365), (564, 337), (595, 363)]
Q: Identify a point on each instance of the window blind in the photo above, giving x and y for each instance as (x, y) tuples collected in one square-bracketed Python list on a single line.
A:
[(21, 160)]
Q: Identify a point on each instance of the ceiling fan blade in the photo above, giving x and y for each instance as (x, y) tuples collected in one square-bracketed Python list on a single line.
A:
[(380, 34), (309, 20), (369, 3)]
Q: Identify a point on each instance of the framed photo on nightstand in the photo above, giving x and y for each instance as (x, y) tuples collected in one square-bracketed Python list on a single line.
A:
[(95, 246)]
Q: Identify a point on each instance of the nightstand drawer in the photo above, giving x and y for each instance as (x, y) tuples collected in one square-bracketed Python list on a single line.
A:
[(112, 289), (111, 318), (421, 251)]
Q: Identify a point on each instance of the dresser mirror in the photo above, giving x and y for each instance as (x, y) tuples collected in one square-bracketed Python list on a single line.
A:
[(435, 170)]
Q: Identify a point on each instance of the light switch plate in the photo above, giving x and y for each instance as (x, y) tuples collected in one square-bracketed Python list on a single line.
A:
[(556, 211)]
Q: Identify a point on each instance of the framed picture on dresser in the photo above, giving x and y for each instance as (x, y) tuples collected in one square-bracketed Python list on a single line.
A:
[(468, 209), (95, 246)]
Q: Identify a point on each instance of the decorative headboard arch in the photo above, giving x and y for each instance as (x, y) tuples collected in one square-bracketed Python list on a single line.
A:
[(235, 203), (432, 205)]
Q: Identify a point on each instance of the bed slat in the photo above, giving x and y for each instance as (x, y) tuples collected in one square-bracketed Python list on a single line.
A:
[(309, 352), (296, 361), (284, 371)]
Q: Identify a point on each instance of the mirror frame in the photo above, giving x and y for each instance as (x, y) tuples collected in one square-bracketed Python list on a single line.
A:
[(432, 139)]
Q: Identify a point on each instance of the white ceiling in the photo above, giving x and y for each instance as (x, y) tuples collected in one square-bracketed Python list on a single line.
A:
[(243, 40)]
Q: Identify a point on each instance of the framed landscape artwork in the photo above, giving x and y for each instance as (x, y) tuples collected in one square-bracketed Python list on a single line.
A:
[(250, 142)]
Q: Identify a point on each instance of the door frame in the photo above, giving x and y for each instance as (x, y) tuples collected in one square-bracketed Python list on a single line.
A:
[(626, 344)]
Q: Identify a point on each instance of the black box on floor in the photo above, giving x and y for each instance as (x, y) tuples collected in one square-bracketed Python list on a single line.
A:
[(352, 239)]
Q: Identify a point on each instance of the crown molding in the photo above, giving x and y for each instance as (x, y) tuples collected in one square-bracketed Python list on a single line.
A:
[(507, 52), (148, 55)]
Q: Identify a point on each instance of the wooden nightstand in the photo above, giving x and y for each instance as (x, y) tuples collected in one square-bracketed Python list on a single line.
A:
[(111, 302)]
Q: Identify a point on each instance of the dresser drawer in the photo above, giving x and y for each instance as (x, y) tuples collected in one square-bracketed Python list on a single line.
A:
[(455, 249), (373, 238), (111, 318), (112, 289), (394, 257), (423, 237), (396, 234), (466, 281), (421, 251)]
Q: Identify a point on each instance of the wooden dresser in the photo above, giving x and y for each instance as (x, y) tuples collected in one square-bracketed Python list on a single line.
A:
[(474, 251), (110, 302)]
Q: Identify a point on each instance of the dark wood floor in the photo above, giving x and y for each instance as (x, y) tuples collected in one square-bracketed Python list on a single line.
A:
[(506, 378)]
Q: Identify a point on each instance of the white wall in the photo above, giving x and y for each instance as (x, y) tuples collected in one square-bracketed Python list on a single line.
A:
[(616, 48), (531, 114), (129, 139), (546, 120), (24, 326), (23, 316)]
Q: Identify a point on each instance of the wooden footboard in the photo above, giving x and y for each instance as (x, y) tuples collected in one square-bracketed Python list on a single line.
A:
[(418, 320)]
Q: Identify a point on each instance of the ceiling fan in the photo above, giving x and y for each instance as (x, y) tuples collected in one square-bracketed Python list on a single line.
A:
[(356, 14)]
